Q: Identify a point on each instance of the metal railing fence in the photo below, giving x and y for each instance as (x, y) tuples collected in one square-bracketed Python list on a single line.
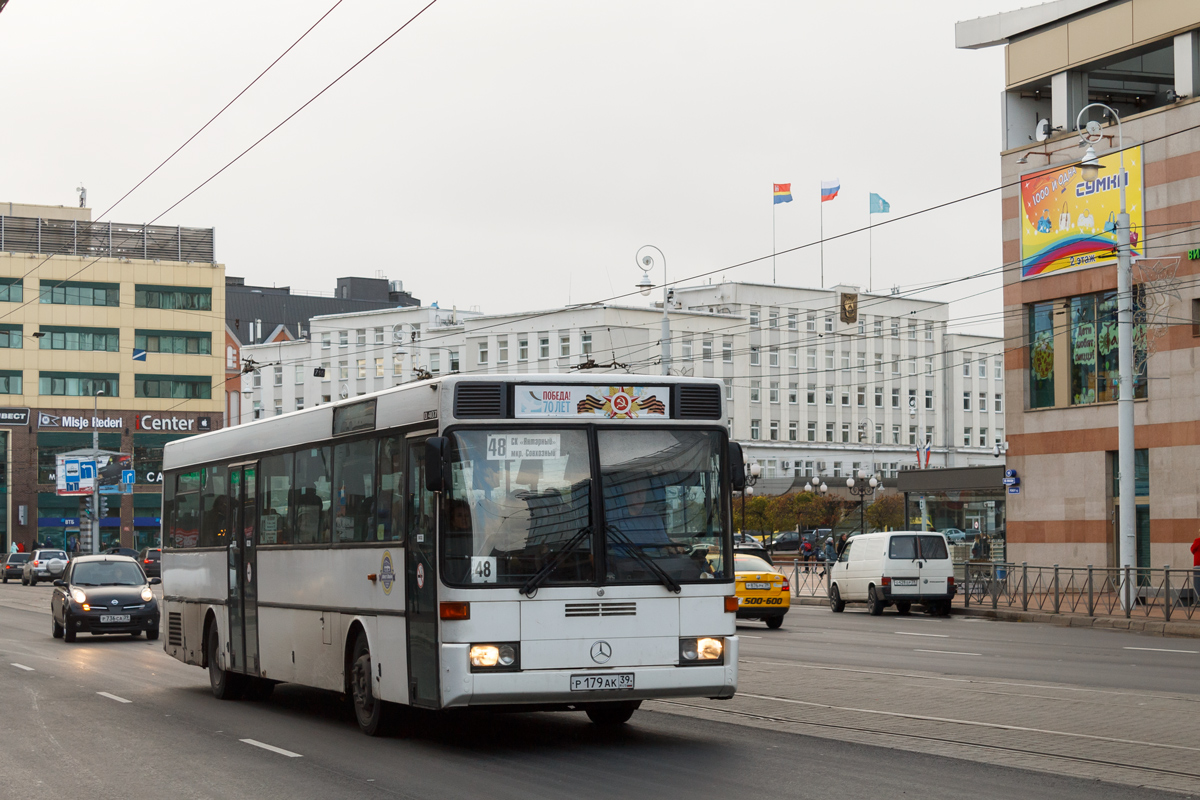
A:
[(106, 239)]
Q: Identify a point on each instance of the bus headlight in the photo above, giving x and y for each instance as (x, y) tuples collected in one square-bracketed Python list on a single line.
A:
[(702, 650), (493, 656)]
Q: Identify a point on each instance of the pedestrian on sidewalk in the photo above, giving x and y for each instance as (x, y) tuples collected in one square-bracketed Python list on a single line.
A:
[(841, 545), (830, 554), (1196, 567)]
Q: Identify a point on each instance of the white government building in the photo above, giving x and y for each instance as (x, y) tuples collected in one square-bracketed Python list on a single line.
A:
[(811, 394)]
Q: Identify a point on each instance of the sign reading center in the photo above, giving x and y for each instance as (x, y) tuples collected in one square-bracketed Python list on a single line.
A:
[(151, 422)]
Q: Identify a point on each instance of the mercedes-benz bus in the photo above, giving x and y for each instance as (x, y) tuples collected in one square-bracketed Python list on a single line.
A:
[(555, 542)]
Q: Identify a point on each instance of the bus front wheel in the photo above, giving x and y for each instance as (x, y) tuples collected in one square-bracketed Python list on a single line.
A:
[(609, 714), (372, 714)]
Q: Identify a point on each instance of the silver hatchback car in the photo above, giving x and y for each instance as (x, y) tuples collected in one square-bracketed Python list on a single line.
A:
[(44, 565)]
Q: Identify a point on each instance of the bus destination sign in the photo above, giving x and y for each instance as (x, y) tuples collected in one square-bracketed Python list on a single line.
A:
[(604, 402), (354, 418)]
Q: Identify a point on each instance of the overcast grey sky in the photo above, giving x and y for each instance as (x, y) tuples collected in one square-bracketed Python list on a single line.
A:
[(514, 155)]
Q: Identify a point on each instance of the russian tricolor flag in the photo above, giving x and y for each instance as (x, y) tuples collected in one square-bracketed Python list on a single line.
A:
[(830, 189), (783, 193)]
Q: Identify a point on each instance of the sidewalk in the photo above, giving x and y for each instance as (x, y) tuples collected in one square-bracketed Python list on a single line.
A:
[(1190, 630)]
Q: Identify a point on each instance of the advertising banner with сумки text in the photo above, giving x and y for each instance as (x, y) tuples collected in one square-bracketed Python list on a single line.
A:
[(1069, 223)]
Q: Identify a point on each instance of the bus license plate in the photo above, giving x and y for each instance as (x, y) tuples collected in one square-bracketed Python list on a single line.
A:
[(602, 683), (114, 618), (753, 586)]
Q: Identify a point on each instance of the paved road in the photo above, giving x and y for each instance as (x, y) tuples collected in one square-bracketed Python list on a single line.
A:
[(118, 718)]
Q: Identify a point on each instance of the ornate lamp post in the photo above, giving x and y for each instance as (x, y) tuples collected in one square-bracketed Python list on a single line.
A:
[(753, 470), (862, 489)]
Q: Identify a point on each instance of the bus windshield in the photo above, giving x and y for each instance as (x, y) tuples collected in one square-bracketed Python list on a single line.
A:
[(520, 505)]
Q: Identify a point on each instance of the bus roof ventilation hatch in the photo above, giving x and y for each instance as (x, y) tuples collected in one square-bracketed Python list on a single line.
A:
[(480, 400), (698, 401)]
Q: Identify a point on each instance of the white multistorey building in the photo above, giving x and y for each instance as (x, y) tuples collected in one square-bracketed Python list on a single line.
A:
[(810, 394), (816, 395)]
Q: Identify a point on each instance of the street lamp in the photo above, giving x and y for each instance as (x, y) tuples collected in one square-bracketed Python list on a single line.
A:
[(1090, 167), (96, 473), (862, 489), (753, 470), (645, 262)]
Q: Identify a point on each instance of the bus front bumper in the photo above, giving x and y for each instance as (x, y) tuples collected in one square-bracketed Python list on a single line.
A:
[(461, 687)]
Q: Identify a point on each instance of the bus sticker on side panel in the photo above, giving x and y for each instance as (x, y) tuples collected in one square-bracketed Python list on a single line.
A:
[(387, 572)]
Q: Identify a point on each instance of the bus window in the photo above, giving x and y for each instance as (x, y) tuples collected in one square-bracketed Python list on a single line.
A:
[(662, 502), (390, 504), (186, 529), (276, 523), (214, 522), (354, 496), (313, 495), (421, 502), (517, 499)]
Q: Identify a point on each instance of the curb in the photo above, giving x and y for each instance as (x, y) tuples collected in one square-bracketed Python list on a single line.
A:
[(1186, 630)]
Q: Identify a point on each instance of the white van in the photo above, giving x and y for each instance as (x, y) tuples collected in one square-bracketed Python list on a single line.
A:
[(896, 568)]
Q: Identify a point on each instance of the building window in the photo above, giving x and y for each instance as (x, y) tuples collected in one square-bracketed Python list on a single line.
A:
[(522, 349), (755, 388), (929, 331), (966, 437), (929, 434), (828, 359), (256, 379), (300, 403), (879, 397), (344, 369), (727, 351), (361, 365), (397, 366), (793, 431), (829, 324), (774, 431), (966, 401), (879, 363), (88, 339), (983, 406), (982, 363), (773, 357), (454, 360), (793, 394), (829, 431), (278, 374), (983, 438), (811, 359), (564, 346), (879, 327), (912, 329), (379, 368), (793, 359), (278, 409), (299, 375), (172, 297), (182, 342), (845, 432), (1093, 348), (343, 338), (754, 428), (929, 399), (929, 366), (895, 434), (793, 321), (860, 395), (998, 374), (810, 394), (810, 322), (812, 432), (184, 387), (896, 333), (686, 348), (11, 290), (728, 388), (998, 406), (435, 362), (896, 399), (829, 397), (846, 359), (878, 434), (912, 366), (10, 382), (773, 319), (379, 336), (483, 353), (862, 361), (326, 340), (912, 434), (82, 294), (544, 347), (774, 392), (845, 398), (360, 337), (706, 350), (754, 362), (502, 350), (966, 365), (912, 398), (837, 469), (754, 318), (895, 365)]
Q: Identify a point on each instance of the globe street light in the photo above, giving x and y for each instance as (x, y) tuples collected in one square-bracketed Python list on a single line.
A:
[(753, 470), (1090, 167), (646, 256), (862, 489)]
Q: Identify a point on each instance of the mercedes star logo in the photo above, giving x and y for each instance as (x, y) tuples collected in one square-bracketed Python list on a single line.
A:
[(601, 652)]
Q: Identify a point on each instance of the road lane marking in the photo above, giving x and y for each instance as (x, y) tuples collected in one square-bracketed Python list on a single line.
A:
[(948, 652), (971, 723), (114, 697), (934, 635), (272, 748), (1163, 650), (22, 666), (748, 636)]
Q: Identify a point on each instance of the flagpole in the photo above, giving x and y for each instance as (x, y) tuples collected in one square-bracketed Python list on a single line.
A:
[(773, 248), (822, 242), (870, 250)]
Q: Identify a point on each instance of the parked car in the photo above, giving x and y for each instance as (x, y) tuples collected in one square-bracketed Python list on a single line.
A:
[(151, 558), (747, 543), (44, 565), (786, 542), (898, 568), (956, 536), (104, 594), (14, 564), (121, 551)]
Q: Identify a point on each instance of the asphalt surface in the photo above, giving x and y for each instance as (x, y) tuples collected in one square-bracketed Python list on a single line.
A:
[(115, 717)]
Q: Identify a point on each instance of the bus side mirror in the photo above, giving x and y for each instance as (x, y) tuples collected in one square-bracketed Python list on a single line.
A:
[(435, 460), (737, 467)]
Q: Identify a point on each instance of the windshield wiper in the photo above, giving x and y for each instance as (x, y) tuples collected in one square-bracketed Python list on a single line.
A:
[(660, 573), (540, 576)]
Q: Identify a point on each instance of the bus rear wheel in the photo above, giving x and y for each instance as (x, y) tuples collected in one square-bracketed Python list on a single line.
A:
[(373, 714), (611, 714), (225, 685)]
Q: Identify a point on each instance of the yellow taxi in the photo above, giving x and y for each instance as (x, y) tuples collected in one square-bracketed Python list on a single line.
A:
[(763, 591)]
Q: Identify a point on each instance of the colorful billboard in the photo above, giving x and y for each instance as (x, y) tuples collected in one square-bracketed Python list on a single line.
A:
[(1069, 223)]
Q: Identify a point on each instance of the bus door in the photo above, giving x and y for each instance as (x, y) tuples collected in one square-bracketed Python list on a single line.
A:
[(243, 569), (420, 584)]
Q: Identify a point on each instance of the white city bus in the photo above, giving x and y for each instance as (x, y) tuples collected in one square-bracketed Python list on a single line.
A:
[(539, 542)]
